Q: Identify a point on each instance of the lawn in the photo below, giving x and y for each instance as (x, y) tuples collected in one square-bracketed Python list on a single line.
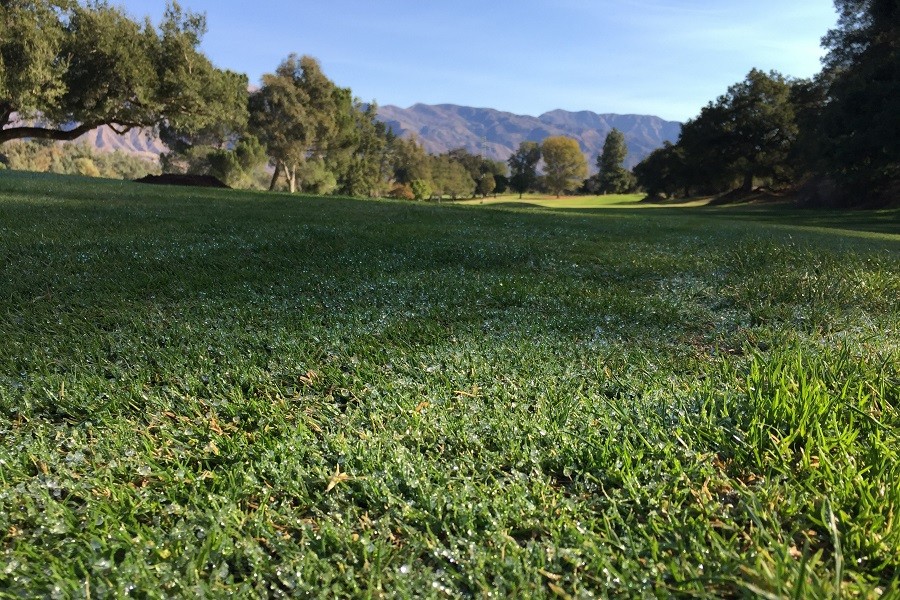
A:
[(568, 202), (216, 393)]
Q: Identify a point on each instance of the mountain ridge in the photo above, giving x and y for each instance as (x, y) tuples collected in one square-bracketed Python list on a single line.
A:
[(494, 133), (497, 134)]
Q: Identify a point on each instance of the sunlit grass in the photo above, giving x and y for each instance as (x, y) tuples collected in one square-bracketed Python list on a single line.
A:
[(549, 201), (212, 393)]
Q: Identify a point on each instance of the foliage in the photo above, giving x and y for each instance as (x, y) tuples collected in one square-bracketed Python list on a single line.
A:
[(421, 189), (402, 191), (296, 114), (368, 151), (501, 184), (315, 129), (88, 64), (841, 128), (747, 133), (858, 130), (613, 177), (450, 177), (76, 159), (409, 160), (204, 394), (486, 185), (523, 167), (564, 165), (662, 172), (242, 166)]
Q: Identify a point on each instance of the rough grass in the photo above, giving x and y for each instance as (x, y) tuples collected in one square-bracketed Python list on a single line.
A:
[(210, 393)]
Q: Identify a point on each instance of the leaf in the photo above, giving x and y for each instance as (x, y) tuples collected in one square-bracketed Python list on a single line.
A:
[(559, 591), (337, 478), (549, 575)]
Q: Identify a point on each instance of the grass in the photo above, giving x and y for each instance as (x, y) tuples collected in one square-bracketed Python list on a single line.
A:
[(551, 201), (210, 393)]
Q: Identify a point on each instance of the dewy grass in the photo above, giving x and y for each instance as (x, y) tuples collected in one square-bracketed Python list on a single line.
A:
[(216, 393)]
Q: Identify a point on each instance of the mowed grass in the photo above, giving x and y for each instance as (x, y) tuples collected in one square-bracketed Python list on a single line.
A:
[(214, 393), (551, 201)]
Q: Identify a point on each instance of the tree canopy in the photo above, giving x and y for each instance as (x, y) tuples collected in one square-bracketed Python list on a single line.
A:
[(67, 67), (523, 167), (614, 178), (858, 128), (564, 164), (838, 132)]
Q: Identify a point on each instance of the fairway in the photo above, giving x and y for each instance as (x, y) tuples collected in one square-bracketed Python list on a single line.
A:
[(547, 201), (220, 393)]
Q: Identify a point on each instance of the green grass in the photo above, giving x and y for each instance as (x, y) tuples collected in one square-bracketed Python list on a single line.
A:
[(550, 201), (211, 393)]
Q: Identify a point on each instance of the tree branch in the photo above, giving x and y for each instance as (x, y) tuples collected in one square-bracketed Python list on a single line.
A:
[(6, 111), (41, 133)]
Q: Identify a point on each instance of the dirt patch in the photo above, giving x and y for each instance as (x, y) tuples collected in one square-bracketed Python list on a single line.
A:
[(190, 180)]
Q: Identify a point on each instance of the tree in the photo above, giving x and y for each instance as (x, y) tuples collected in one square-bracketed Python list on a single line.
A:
[(239, 166), (523, 167), (501, 184), (661, 173), (486, 185), (408, 160), (478, 167), (298, 113), (564, 164), (67, 67), (450, 178), (858, 131), (747, 133), (365, 170), (614, 178), (421, 189)]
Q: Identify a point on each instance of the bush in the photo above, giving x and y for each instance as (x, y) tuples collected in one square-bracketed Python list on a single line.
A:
[(402, 191), (421, 189)]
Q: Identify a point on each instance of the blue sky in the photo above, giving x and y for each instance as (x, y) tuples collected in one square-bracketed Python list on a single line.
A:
[(660, 57)]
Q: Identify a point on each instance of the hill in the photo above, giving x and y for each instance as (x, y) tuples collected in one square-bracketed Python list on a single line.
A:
[(444, 127), (140, 142), (497, 134)]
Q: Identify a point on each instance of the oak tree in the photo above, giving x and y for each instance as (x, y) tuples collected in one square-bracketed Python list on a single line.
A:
[(67, 67)]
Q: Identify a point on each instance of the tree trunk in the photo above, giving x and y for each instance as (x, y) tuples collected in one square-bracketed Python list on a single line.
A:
[(274, 178), (291, 175), (748, 183)]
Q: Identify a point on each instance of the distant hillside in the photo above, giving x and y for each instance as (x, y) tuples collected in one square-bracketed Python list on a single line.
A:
[(140, 142), (497, 134), (444, 127)]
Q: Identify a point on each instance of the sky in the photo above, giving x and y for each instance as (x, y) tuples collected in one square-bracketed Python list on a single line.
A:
[(661, 57)]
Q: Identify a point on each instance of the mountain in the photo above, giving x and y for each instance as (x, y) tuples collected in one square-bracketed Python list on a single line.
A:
[(140, 142), (443, 127), (497, 134)]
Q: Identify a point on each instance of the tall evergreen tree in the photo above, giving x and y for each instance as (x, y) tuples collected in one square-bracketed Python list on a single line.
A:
[(614, 178)]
